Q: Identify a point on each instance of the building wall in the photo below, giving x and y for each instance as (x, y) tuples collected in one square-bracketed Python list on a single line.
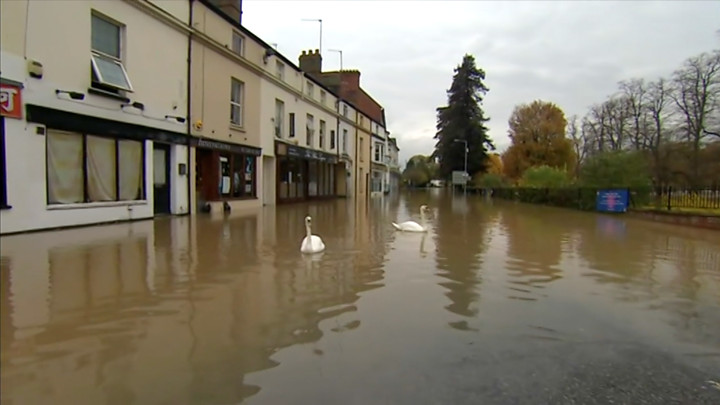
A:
[(363, 158), (348, 123), (214, 65), (160, 87)]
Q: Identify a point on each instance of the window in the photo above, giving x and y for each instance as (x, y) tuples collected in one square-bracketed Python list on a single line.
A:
[(310, 130), (332, 139), (237, 43), (361, 150), (291, 121), (377, 152), (107, 70), (322, 134), (323, 97), (236, 100), (88, 168), (310, 89), (279, 114), (243, 171), (345, 111), (344, 141), (280, 70), (3, 179)]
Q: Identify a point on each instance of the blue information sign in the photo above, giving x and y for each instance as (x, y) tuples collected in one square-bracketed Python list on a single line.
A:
[(612, 200)]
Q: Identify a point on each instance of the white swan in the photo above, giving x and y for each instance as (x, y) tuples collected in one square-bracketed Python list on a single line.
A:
[(311, 243), (412, 226)]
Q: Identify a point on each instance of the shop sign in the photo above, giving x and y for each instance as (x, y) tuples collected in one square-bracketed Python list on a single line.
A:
[(10, 100)]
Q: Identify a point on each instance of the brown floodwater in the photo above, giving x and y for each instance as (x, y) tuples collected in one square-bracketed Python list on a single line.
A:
[(496, 300)]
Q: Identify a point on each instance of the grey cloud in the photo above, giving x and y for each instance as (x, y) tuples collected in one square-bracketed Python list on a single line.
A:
[(570, 53)]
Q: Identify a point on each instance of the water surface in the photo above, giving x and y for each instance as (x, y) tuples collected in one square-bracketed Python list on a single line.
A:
[(498, 303)]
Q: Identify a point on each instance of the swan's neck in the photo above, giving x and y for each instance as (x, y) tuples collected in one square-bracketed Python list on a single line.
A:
[(307, 230), (422, 218)]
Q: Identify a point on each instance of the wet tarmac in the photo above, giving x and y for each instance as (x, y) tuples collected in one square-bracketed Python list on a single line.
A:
[(499, 303)]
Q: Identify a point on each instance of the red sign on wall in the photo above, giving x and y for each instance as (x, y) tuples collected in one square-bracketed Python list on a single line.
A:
[(10, 101)]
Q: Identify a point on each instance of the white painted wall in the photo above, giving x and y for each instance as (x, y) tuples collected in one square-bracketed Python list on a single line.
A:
[(159, 83), (269, 180)]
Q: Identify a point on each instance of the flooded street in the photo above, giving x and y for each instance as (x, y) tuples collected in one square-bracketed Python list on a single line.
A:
[(498, 303)]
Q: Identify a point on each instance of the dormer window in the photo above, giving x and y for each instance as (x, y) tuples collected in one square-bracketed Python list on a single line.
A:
[(108, 72)]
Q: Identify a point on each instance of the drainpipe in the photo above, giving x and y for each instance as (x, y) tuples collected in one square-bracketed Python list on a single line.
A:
[(188, 120)]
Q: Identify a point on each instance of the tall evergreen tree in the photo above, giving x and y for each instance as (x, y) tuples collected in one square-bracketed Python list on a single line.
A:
[(463, 119)]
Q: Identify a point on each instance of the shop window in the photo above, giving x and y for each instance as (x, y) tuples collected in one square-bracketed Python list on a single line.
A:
[(88, 168), (237, 176)]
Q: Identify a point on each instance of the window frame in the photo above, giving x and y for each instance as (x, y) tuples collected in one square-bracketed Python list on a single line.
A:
[(3, 167), (237, 36), (280, 70), (279, 115), (291, 125), (86, 198), (239, 104), (345, 138), (96, 79), (321, 134), (309, 130)]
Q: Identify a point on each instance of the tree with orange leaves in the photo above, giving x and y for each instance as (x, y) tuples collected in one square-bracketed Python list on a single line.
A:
[(537, 131)]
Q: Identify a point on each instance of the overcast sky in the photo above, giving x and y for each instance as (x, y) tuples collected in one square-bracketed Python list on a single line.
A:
[(570, 53)]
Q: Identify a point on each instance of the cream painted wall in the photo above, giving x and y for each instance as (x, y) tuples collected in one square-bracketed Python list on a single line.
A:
[(179, 9), (161, 87), (12, 26), (301, 106), (212, 71)]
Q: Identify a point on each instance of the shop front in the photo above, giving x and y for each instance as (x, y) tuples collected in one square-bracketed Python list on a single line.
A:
[(225, 172), (304, 174)]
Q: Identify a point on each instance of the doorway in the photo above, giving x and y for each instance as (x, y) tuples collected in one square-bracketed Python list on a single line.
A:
[(161, 178)]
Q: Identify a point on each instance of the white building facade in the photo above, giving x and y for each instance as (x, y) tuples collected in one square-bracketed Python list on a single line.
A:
[(93, 130)]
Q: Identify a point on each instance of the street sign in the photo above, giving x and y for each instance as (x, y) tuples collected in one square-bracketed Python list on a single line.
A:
[(459, 178), (612, 200)]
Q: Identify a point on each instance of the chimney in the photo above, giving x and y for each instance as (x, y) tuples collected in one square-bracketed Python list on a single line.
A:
[(311, 62), (350, 79), (232, 8)]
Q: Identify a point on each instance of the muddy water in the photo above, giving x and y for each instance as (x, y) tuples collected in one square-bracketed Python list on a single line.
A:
[(497, 303)]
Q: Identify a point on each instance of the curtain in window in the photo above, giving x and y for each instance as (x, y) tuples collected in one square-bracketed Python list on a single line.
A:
[(101, 169), (130, 170), (64, 168)]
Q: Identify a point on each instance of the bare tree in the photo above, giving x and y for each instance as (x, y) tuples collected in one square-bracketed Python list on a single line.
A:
[(635, 94), (579, 141), (696, 93)]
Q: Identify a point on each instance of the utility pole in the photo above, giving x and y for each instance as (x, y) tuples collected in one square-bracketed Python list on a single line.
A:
[(341, 60), (320, 21)]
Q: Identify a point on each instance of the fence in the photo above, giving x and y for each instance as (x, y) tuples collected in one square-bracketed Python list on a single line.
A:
[(585, 198)]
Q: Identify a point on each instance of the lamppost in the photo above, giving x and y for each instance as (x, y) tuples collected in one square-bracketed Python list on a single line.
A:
[(340, 52), (320, 21), (466, 153)]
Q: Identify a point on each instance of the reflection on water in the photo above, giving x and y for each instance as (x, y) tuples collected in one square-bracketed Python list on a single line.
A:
[(215, 310)]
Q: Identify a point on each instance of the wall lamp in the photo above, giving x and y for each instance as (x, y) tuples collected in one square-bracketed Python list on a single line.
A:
[(176, 118), (72, 94), (135, 104)]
